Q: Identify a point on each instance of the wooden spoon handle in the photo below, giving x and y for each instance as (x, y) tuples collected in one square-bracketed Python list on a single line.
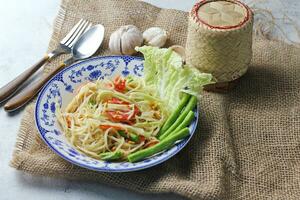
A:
[(29, 93), (9, 89)]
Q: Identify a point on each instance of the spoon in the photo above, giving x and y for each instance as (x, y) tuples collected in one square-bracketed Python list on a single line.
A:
[(86, 46)]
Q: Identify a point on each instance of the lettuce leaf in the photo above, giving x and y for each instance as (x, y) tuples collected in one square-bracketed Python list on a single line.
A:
[(165, 73)]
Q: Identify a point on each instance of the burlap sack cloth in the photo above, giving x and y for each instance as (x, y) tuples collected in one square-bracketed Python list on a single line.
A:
[(247, 145)]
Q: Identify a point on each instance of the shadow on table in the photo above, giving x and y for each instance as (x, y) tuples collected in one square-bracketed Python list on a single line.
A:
[(82, 189)]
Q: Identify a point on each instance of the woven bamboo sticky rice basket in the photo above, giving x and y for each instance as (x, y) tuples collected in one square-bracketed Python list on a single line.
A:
[(219, 39)]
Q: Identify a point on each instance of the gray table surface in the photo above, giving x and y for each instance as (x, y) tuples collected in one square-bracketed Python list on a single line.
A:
[(24, 35)]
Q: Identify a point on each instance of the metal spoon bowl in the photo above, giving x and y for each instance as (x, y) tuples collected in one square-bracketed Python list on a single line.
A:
[(88, 44)]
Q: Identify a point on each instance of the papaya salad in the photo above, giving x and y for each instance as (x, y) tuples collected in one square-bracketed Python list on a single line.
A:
[(131, 118)]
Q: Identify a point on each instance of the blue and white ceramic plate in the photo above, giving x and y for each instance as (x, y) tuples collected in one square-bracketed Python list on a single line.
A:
[(60, 89)]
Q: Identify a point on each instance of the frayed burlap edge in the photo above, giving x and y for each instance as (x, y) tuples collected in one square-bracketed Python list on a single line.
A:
[(18, 161)]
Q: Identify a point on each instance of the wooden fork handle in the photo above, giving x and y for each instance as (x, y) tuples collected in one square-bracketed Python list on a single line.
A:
[(29, 93), (9, 89)]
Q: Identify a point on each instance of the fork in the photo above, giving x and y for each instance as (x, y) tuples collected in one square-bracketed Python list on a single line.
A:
[(64, 47)]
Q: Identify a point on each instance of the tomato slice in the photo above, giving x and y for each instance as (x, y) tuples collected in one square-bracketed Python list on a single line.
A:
[(120, 84), (116, 100), (122, 116), (117, 115), (105, 127)]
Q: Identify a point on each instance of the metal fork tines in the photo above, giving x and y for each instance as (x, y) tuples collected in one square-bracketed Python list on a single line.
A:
[(69, 40), (75, 33)]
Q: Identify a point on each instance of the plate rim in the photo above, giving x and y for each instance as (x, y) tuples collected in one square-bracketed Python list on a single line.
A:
[(136, 168)]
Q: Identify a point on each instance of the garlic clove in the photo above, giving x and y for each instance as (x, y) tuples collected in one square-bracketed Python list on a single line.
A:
[(130, 41), (115, 42), (125, 39), (158, 41), (155, 36), (151, 33), (126, 45)]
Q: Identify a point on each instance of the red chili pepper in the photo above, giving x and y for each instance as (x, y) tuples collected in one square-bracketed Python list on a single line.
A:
[(142, 138)]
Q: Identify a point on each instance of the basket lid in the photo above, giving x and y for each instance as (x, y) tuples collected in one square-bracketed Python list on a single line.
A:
[(221, 14)]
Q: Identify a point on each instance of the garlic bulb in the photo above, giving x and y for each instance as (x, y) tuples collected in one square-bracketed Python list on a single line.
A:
[(155, 36), (125, 39)]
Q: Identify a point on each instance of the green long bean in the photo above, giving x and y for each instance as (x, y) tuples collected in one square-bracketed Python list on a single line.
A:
[(189, 107), (187, 120), (111, 155), (165, 144), (172, 118)]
